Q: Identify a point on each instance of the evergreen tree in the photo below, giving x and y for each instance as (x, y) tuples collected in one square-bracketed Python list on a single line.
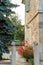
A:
[(6, 27)]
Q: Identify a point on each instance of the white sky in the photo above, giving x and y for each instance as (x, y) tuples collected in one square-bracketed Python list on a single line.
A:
[(20, 11)]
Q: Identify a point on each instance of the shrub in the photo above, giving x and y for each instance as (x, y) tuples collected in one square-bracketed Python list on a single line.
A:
[(25, 51)]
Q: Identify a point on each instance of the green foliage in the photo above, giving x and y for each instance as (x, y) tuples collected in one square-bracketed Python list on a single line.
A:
[(18, 42), (5, 7), (6, 26), (19, 32)]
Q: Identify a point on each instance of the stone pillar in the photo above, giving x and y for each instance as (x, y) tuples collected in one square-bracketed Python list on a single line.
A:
[(36, 54), (13, 56), (41, 30)]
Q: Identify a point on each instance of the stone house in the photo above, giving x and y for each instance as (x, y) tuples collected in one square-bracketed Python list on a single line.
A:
[(34, 21), (34, 27)]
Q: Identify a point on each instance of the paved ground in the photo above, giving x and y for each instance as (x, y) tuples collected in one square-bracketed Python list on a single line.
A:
[(20, 60)]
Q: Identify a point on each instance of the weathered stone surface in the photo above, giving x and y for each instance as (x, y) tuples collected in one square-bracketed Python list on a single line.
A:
[(41, 18), (33, 10), (40, 7), (36, 53), (31, 27), (34, 22)]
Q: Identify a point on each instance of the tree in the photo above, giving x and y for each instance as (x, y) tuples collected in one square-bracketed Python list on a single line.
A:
[(19, 32), (6, 27)]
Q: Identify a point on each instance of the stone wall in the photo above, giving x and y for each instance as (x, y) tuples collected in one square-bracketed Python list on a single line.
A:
[(33, 10), (32, 21), (32, 31)]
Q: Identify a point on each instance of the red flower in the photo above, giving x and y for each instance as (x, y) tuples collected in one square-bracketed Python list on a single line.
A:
[(20, 50), (25, 50)]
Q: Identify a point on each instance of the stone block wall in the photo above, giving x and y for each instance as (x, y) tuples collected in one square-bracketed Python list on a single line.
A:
[(33, 10), (34, 19), (32, 22)]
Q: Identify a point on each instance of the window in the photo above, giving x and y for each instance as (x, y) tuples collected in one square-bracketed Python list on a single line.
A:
[(27, 6)]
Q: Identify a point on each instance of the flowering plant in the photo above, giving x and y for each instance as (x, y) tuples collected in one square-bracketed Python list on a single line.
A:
[(25, 50)]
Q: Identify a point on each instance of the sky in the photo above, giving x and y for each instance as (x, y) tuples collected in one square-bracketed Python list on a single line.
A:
[(20, 11)]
